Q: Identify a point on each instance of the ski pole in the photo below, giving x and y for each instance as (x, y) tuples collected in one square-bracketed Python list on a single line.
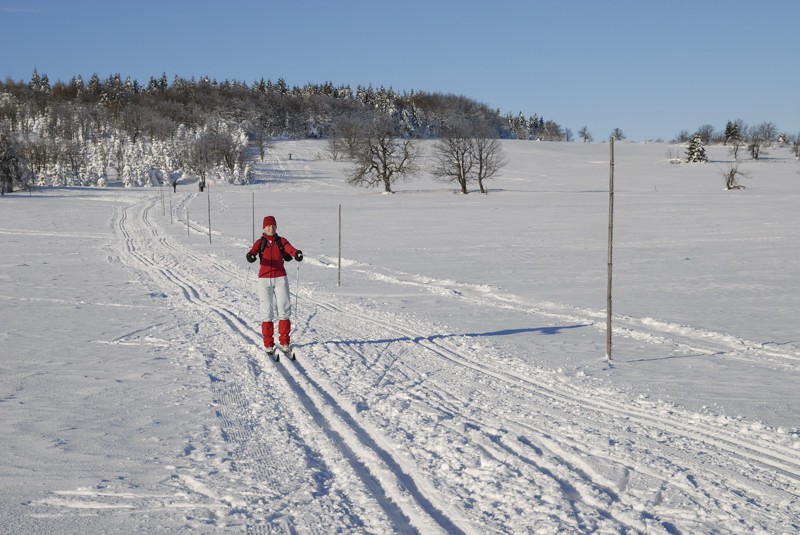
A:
[(247, 276), (296, 290)]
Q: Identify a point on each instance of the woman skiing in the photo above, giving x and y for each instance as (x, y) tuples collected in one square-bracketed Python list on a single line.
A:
[(273, 285)]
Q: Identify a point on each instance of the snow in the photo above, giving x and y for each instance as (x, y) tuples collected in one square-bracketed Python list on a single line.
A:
[(454, 383)]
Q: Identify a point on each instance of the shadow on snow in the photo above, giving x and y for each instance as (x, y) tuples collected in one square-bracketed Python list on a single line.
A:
[(416, 339)]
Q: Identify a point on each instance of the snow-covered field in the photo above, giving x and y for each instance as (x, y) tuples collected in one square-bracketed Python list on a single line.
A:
[(454, 383)]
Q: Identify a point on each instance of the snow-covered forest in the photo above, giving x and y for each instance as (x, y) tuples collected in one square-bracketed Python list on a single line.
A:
[(80, 133), (84, 134)]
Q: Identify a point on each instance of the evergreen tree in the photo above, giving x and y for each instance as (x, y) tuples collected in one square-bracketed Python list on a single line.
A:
[(533, 126), (696, 152), (77, 84), (94, 87), (35, 80), (39, 82), (732, 132)]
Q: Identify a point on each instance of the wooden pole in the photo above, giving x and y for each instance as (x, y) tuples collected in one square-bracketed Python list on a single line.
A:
[(209, 217), (610, 247), (187, 223), (254, 215), (339, 276)]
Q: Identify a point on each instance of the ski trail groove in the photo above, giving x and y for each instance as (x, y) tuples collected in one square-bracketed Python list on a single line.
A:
[(391, 490), (786, 463), (777, 462), (616, 474)]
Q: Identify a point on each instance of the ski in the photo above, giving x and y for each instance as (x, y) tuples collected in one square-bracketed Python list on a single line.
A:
[(274, 355), (288, 351)]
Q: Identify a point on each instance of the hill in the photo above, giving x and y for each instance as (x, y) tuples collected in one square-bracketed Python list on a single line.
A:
[(454, 382)]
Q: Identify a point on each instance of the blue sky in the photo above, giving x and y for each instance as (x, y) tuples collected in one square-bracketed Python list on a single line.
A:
[(651, 68)]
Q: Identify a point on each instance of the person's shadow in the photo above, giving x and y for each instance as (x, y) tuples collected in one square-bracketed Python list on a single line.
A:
[(550, 331)]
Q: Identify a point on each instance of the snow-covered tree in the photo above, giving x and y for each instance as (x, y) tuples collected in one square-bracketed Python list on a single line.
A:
[(696, 152), (13, 168), (732, 132), (95, 87)]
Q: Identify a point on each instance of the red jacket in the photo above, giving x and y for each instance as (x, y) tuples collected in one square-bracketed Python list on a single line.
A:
[(271, 258)]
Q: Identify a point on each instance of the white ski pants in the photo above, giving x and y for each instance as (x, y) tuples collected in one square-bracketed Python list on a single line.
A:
[(273, 294)]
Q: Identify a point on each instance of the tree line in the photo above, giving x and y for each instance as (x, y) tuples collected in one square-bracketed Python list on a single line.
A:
[(742, 138), (83, 133)]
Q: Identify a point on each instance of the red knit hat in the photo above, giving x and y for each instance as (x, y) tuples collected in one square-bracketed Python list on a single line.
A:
[(269, 220)]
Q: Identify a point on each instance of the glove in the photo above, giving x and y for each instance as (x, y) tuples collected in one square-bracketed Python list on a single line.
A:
[(250, 257), (298, 255), (287, 257)]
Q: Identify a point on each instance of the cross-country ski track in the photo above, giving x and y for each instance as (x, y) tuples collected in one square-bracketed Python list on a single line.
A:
[(388, 423)]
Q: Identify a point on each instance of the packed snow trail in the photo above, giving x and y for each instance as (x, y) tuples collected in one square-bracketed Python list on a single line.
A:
[(390, 423), (236, 426)]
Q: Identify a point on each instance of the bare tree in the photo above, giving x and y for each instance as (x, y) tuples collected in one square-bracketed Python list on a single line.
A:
[(795, 141), (38, 153), (382, 156), (731, 176), (736, 144), (132, 119), (706, 133), (348, 132), (765, 132), (683, 137), (617, 134), (202, 156), (73, 159), (754, 146), (468, 152), (489, 157), (759, 136), (552, 131), (334, 148), (453, 155), (585, 135), (261, 132)]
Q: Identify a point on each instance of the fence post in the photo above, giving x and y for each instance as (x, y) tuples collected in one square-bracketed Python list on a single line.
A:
[(610, 247)]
